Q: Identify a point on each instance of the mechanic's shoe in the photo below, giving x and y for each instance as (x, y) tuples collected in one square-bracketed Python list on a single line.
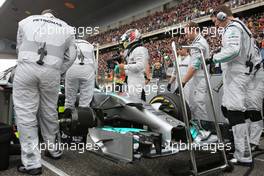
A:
[(37, 171), (209, 140), (57, 157), (239, 163), (204, 134)]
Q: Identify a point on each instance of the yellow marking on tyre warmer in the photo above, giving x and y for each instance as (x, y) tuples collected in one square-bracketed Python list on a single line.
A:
[(171, 106), (157, 98), (61, 109), (166, 101)]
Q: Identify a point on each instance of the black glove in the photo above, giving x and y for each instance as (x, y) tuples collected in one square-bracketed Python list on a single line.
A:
[(177, 91), (209, 61), (169, 87), (250, 65), (257, 67)]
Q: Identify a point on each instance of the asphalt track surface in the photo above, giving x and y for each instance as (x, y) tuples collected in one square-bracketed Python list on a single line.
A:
[(90, 164)]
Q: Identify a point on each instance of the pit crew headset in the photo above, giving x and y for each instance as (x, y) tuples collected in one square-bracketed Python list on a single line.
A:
[(222, 16)]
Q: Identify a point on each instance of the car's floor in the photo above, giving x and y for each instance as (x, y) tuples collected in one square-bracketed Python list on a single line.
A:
[(89, 164)]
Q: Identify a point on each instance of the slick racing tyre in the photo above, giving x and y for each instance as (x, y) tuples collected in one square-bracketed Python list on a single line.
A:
[(170, 104)]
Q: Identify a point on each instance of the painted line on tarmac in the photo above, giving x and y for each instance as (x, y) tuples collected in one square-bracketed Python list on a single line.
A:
[(259, 159), (53, 168)]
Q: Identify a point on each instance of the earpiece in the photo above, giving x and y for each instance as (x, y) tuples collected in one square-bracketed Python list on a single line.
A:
[(221, 16)]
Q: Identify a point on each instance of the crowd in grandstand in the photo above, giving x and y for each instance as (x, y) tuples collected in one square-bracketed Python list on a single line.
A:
[(184, 11), (160, 50)]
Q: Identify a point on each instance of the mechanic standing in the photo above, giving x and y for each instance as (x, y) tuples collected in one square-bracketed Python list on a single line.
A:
[(235, 56), (195, 73), (137, 58), (81, 76), (46, 49)]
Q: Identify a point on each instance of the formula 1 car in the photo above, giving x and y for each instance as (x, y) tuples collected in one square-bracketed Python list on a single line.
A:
[(125, 128)]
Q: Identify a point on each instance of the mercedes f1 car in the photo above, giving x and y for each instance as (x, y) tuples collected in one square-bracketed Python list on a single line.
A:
[(127, 129)]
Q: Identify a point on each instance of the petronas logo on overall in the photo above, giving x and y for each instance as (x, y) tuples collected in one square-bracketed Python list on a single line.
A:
[(246, 144)]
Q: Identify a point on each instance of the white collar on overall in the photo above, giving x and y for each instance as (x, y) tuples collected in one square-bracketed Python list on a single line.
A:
[(49, 15)]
